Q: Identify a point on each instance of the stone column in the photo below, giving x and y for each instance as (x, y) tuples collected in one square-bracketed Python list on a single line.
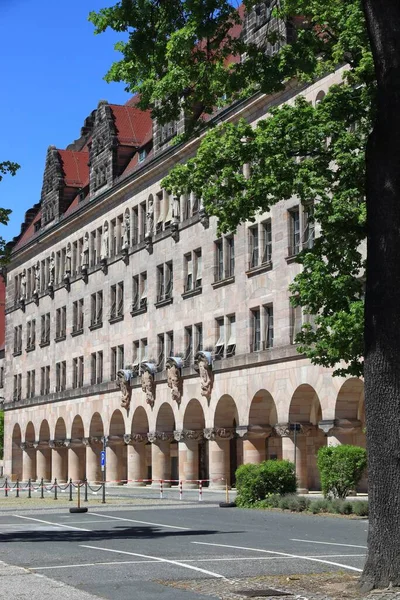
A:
[(219, 455), (76, 466), (254, 442), (188, 456), (136, 456), (161, 457), (58, 461), (93, 470), (296, 454), (112, 463), (28, 461), (42, 463)]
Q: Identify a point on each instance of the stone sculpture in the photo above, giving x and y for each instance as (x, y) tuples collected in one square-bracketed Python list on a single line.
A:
[(174, 379), (105, 242), (124, 384), (203, 363), (148, 386)]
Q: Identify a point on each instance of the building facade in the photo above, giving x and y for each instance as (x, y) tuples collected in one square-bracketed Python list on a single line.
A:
[(130, 323)]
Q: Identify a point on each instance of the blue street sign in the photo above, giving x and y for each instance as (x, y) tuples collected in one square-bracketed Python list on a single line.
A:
[(102, 458)]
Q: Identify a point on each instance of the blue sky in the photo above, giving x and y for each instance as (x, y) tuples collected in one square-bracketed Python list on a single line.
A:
[(52, 78)]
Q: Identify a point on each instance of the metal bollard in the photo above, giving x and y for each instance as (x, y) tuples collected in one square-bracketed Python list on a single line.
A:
[(41, 488), (55, 489), (161, 489), (86, 490), (70, 489), (17, 489), (200, 490), (6, 488), (180, 490), (103, 501), (29, 488)]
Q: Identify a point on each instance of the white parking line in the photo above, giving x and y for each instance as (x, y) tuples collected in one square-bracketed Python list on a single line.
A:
[(51, 523), (328, 562), (184, 560), (158, 559), (142, 522), (327, 543)]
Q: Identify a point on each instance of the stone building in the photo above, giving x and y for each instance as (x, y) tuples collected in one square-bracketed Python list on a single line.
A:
[(130, 323)]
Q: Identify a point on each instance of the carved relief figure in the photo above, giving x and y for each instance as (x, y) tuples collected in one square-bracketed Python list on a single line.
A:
[(68, 259), (206, 375), (52, 270), (126, 230), (37, 277), (124, 384), (85, 251), (104, 242), (176, 209), (174, 381), (150, 217), (148, 387), (23, 285)]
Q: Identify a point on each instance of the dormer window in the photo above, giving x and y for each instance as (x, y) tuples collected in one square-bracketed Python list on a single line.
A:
[(142, 155), (37, 225)]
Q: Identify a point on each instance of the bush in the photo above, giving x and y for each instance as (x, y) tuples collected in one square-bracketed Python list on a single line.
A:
[(340, 468), (360, 508), (258, 482)]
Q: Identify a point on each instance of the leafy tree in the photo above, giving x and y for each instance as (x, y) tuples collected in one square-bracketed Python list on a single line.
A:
[(6, 167), (1, 433), (342, 153)]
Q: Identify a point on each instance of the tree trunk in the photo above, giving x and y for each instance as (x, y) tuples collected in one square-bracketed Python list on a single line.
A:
[(382, 304)]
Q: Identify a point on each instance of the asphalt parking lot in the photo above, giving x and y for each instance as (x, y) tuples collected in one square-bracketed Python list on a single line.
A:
[(111, 552)]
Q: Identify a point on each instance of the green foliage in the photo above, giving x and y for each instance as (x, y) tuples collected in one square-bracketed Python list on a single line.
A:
[(175, 57), (256, 482), (1, 433), (296, 503), (340, 468)]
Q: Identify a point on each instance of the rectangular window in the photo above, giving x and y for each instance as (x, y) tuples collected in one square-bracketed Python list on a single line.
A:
[(294, 231), (220, 343), (96, 309), (1, 377), (93, 249), (30, 384), (120, 357), (160, 283), (267, 242), (231, 336), (230, 243), (113, 372), (74, 373), (142, 221), (135, 225), (189, 272), (188, 345), (219, 260), (18, 339), (17, 392), (113, 237), (77, 316), (160, 351), (96, 368), (120, 299), (198, 269), (256, 330), (81, 372), (296, 322), (198, 334), (269, 326), (253, 246), (308, 227), (170, 343), (113, 301), (31, 334), (61, 376), (45, 380)]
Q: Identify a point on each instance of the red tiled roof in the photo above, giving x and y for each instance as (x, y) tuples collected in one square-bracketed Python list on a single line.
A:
[(75, 167), (28, 233), (133, 125)]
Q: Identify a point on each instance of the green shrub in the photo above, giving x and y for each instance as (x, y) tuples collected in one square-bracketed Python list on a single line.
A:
[(360, 508), (340, 469), (257, 482)]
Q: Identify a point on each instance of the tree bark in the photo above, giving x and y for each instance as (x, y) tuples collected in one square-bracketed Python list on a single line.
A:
[(382, 304)]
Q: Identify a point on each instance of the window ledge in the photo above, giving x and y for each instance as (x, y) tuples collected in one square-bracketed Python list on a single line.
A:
[(222, 282), (77, 332), (30, 348), (17, 353), (291, 258), (164, 302), (259, 269), (96, 326), (60, 338), (44, 344), (116, 319), (139, 311), (194, 292)]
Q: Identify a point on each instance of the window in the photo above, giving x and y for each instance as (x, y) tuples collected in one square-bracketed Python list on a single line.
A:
[(113, 372), (96, 368), (188, 345), (78, 372), (139, 292), (30, 384), (45, 329), (96, 309), (193, 270), (31, 334), (61, 322), (61, 376), (142, 155), (113, 237), (117, 300), (17, 391), (45, 380), (160, 351), (224, 258), (142, 221), (93, 249), (308, 227), (193, 342), (294, 232), (139, 353), (296, 322), (135, 225), (256, 330), (1, 377), (164, 282), (198, 337), (18, 339), (231, 336), (254, 247), (77, 316), (260, 244), (267, 242), (269, 326), (220, 344)]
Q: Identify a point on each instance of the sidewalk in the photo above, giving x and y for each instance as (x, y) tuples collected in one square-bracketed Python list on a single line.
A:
[(22, 584)]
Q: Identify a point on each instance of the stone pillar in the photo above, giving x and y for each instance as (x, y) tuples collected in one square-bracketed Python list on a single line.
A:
[(58, 456), (296, 453), (28, 461), (75, 466), (188, 456), (42, 464), (136, 456), (93, 470), (254, 450), (112, 463), (219, 456), (161, 457)]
